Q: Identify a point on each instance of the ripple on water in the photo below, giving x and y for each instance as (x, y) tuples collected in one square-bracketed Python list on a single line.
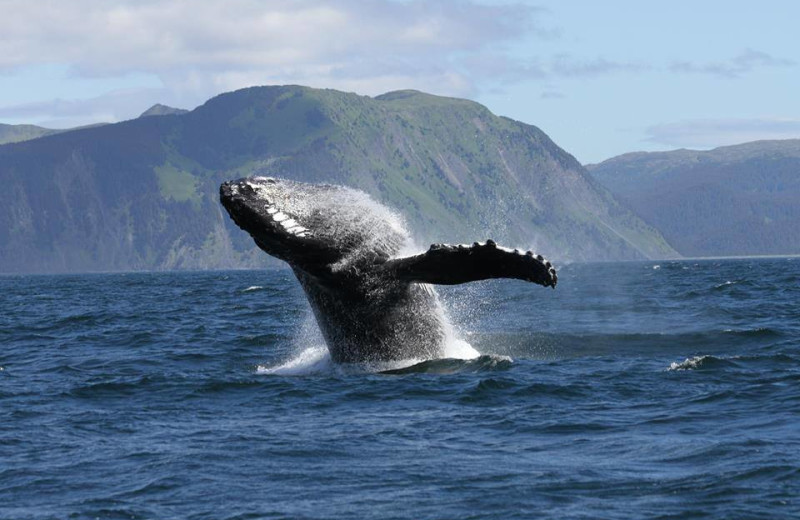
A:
[(209, 395)]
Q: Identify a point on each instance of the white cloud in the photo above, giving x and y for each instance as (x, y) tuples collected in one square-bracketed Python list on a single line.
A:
[(200, 48), (552, 94), (109, 37), (744, 63), (567, 66), (710, 133)]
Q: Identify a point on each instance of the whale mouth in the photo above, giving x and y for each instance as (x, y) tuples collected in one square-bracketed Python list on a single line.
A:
[(275, 213), (235, 204), (253, 209)]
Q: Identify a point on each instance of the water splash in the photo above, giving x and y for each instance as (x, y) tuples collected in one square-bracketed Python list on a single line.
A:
[(343, 215), (312, 360), (455, 347), (311, 355), (354, 216)]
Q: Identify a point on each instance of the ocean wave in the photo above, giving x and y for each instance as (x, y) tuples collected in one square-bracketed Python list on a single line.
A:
[(253, 288), (571, 345), (484, 363), (699, 363), (110, 389), (738, 285), (84, 319), (571, 398), (317, 360), (459, 356), (754, 363), (758, 332)]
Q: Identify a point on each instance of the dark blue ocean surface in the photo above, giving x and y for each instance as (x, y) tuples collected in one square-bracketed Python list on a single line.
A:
[(637, 390)]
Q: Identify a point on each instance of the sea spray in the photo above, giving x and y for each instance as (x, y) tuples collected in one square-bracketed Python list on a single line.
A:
[(310, 354)]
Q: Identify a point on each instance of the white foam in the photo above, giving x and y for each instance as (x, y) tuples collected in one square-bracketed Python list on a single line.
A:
[(460, 349), (312, 360), (253, 288), (311, 355), (316, 360), (691, 363)]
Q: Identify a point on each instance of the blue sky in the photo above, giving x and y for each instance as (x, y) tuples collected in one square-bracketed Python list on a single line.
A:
[(601, 78)]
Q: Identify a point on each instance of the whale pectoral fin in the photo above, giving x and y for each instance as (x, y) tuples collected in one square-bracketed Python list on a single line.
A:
[(449, 265)]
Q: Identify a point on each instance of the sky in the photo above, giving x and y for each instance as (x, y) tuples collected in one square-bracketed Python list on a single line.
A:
[(601, 78)]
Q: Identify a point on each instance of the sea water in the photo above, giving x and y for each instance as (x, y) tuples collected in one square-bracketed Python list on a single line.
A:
[(634, 390)]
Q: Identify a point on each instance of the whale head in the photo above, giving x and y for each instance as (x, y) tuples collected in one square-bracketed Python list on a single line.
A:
[(313, 225)]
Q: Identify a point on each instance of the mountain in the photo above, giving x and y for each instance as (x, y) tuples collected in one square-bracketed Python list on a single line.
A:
[(162, 110), (19, 133), (734, 200), (143, 194)]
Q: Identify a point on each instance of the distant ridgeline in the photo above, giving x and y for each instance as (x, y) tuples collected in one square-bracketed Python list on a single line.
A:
[(735, 200), (19, 133), (143, 194)]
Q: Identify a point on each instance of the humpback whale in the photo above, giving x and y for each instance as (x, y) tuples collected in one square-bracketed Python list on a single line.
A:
[(371, 298)]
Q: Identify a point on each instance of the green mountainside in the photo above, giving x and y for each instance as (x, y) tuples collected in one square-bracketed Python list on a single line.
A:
[(734, 200), (162, 110), (19, 133), (143, 194)]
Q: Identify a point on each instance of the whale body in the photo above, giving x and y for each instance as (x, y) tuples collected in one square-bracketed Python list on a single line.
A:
[(372, 300)]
